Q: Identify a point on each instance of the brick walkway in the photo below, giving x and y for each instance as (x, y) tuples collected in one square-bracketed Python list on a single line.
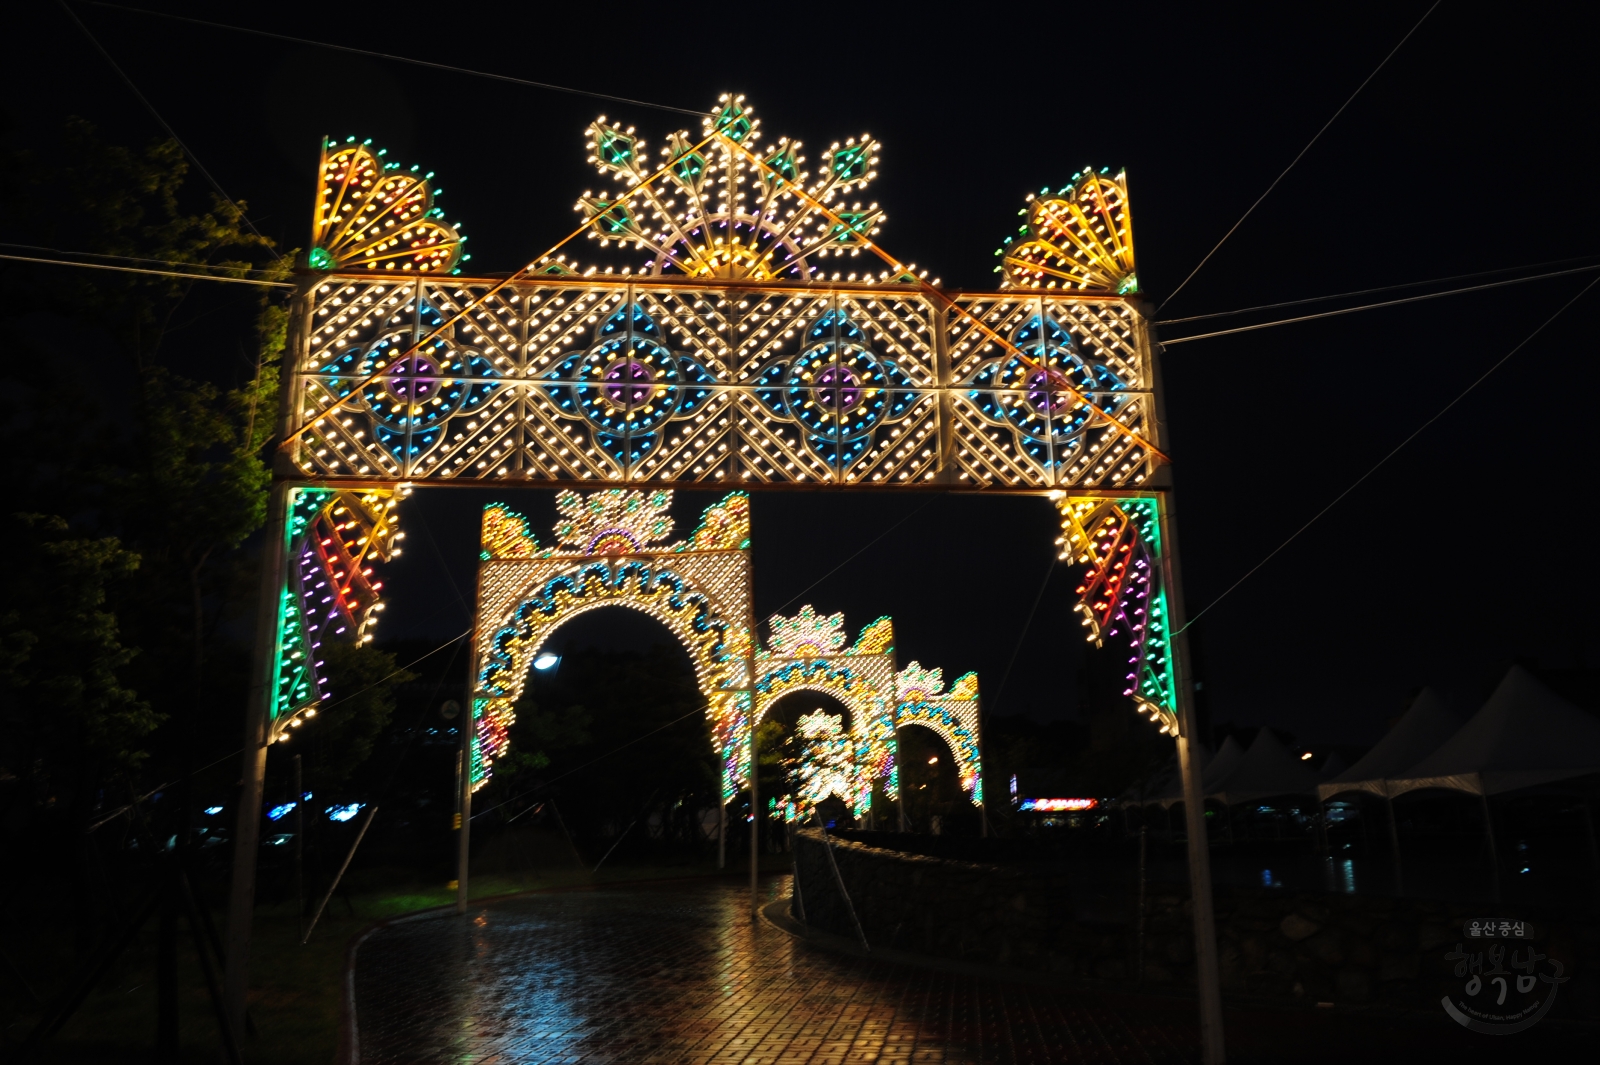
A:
[(677, 973)]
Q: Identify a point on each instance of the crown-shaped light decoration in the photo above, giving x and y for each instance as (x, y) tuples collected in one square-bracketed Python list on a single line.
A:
[(1079, 238), (725, 526), (613, 522), (806, 635), (505, 534), (373, 215), (875, 639), (718, 213), (914, 684)]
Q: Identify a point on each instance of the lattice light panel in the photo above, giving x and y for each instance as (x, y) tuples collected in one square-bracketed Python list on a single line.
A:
[(724, 352)]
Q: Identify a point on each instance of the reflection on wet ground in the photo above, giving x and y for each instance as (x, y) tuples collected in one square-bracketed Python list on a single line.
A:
[(677, 972)]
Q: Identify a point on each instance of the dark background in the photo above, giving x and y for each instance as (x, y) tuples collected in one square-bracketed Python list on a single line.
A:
[(1473, 150)]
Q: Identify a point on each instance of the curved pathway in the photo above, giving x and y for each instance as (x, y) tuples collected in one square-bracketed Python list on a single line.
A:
[(676, 972)]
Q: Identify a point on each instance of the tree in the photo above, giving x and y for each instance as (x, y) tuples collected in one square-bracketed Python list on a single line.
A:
[(341, 736), (66, 717)]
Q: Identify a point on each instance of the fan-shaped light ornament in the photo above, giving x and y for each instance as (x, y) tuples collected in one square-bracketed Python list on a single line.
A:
[(718, 213), (1079, 238), (373, 215), (1118, 542)]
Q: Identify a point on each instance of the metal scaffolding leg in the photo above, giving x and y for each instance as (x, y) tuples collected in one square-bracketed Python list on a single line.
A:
[(257, 734)]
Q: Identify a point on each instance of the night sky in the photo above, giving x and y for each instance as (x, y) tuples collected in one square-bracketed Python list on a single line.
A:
[(1473, 150)]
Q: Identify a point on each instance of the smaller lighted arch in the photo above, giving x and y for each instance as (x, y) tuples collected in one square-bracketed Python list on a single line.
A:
[(920, 699), (611, 550), (808, 652)]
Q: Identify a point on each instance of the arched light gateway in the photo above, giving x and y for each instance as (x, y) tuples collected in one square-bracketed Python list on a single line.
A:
[(812, 653), (748, 331)]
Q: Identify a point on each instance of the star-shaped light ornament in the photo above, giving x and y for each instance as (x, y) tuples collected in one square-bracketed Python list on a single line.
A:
[(723, 206), (613, 522), (806, 635)]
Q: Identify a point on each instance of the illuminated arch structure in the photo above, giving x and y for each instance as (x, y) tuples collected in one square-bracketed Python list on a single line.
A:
[(719, 349), (611, 549), (735, 337), (808, 652)]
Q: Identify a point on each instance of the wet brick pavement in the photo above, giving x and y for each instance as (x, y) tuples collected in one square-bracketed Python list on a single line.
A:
[(677, 973)]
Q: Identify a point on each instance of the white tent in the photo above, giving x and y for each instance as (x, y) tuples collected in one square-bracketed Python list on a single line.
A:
[(1166, 787), (1267, 769), (1525, 734), (1229, 755), (1331, 767), (1423, 729)]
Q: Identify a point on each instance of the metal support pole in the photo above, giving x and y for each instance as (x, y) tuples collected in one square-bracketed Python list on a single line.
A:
[(1394, 843), (469, 730), (722, 835), (464, 805), (253, 771), (1494, 852), (1208, 978), (755, 816), (299, 846)]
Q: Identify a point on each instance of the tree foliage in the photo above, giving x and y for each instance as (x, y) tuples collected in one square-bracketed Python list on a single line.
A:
[(138, 413)]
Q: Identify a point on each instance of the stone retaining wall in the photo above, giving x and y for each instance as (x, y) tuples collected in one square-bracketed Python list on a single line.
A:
[(1274, 944)]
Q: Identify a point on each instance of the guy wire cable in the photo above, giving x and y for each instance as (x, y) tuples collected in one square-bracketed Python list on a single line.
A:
[(1395, 451), (1297, 158), (1348, 295), (399, 59), (261, 282), (1375, 306), (195, 159)]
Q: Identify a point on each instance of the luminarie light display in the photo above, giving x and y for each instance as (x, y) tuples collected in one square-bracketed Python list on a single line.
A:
[(669, 375), (374, 215), (1118, 541), (719, 349), (720, 214), (611, 549), (920, 699), (808, 653), (826, 766), (1081, 237), (335, 538)]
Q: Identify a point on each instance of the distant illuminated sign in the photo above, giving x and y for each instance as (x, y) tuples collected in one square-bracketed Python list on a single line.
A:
[(1058, 805)]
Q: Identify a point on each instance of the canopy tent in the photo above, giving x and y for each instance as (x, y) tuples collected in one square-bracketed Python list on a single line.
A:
[(1165, 785), (1229, 755), (1266, 769), (1421, 730), (1237, 775), (1331, 767), (1525, 734)]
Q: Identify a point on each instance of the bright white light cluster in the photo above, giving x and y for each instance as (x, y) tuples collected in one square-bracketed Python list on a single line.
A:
[(718, 206)]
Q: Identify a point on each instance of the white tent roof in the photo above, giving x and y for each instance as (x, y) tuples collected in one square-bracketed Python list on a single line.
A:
[(1525, 734), (1229, 755), (1266, 769), (1331, 767), (1423, 729), (1166, 787)]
